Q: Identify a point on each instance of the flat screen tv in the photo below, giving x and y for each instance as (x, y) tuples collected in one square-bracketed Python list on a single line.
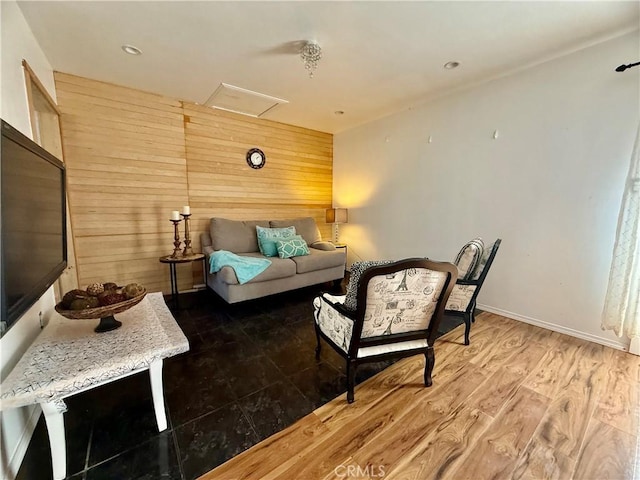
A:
[(34, 234)]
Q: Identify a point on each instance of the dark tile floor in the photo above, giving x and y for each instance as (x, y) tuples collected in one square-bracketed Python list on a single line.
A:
[(250, 372)]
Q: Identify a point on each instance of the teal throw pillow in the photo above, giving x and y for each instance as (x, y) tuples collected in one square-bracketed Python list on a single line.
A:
[(292, 247), (267, 238)]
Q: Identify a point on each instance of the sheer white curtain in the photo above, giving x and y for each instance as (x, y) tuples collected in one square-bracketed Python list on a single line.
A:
[(622, 304)]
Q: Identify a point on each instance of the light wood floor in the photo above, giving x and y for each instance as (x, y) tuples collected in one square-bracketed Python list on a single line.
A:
[(520, 402)]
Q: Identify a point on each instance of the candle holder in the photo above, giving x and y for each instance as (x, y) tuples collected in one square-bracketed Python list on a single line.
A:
[(187, 238), (176, 239)]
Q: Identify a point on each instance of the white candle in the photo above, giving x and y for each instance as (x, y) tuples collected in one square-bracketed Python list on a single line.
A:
[(186, 210), (175, 215)]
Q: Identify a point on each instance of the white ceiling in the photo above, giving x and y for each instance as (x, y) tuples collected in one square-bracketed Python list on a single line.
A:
[(378, 57)]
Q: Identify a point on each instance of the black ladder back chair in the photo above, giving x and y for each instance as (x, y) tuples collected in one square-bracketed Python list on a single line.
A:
[(398, 309), (462, 301)]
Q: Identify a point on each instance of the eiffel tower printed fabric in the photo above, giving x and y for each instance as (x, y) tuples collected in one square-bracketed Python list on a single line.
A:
[(334, 325), (460, 297), (400, 302)]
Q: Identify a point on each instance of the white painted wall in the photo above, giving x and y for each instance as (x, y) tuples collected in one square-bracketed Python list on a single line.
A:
[(18, 43), (550, 186)]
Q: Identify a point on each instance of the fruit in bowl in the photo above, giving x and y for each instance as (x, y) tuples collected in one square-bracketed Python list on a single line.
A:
[(100, 297), (100, 300), (84, 303), (111, 297), (95, 289), (133, 290), (72, 295)]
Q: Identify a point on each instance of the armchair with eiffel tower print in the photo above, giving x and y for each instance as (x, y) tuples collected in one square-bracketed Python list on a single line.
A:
[(473, 262), (391, 309)]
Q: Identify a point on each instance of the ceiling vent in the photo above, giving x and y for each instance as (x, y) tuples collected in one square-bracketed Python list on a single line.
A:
[(240, 100)]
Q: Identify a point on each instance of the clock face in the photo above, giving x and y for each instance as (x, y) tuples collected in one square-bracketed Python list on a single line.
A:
[(256, 158)]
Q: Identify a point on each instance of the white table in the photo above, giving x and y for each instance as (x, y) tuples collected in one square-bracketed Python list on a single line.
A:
[(68, 357)]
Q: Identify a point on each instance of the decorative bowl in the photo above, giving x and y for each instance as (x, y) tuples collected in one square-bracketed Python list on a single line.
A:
[(105, 313)]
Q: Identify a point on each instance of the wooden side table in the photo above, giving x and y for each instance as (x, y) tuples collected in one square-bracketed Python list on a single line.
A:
[(174, 275)]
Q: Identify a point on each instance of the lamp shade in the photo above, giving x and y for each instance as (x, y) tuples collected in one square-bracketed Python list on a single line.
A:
[(337, 215)]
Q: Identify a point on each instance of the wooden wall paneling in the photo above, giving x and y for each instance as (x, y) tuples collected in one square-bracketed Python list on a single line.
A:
[(135, 156), (126, 170), (296, 181)]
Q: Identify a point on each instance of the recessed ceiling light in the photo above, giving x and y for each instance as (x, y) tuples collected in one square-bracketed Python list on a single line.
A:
[(451, 65), (339, 112), (131, 50)]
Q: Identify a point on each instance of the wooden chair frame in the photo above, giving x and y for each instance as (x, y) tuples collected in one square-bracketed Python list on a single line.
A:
[(430, 334), (468, 314)]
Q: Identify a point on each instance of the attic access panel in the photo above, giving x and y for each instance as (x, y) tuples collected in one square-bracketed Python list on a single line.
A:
[(240, 100)]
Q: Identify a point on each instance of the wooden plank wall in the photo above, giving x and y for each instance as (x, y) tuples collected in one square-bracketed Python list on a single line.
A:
[(296, 180), (126, 171), (134, 156)]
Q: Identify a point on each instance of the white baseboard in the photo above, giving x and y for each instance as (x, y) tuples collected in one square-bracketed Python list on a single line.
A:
[(19, 452), (557, 328)]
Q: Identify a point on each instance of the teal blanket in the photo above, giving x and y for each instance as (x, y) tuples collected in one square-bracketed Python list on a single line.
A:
[(246, 268)]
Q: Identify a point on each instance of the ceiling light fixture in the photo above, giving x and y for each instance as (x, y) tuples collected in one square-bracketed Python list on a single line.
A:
[(311, 53), (451, 65), (131, 50)]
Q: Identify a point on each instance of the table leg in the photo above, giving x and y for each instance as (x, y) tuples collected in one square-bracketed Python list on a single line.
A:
[(174, 284), (54, 418), (163, 455), (155, 374), (171, 280)]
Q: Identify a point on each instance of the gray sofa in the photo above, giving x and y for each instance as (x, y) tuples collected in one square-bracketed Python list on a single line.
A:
[(323, 264)]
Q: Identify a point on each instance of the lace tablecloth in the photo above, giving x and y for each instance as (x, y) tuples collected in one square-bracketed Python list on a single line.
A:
[(68, 356)]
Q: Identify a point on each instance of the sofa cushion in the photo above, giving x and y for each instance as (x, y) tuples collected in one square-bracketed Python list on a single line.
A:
[(279, 268), (319, 260), (305, 226), (292, 247), (236, 236), (331, 322), (468, 258), (267, 238)]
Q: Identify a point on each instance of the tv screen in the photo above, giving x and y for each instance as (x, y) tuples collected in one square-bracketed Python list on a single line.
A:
[(34, 240)]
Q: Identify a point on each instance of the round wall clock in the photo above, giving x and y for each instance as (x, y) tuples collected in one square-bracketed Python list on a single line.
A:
[(256, 158)]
